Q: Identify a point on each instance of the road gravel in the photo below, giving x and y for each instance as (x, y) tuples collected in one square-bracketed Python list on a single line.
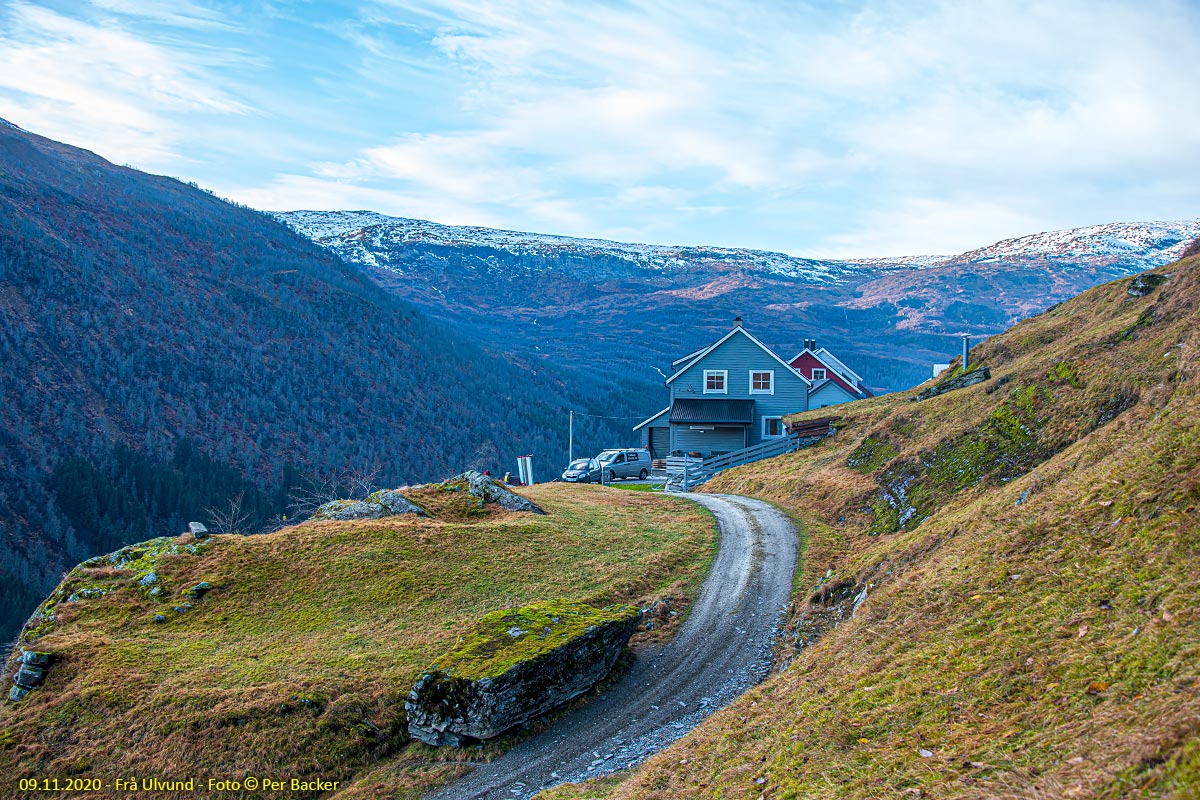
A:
[(722, 649)]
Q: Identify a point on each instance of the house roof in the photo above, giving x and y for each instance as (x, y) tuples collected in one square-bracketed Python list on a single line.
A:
[(700, 354), (688, 357), (648, 420), (851, 380), (723, 411), (832, 360)]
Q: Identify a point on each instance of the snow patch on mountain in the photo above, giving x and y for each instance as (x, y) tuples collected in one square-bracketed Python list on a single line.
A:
[(367, 237), (1155, 243), (379, 240)]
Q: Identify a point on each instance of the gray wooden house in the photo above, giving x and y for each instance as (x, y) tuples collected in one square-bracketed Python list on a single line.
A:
[(725, 397)]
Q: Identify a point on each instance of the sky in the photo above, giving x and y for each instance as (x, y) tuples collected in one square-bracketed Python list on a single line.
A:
[(830, 129)]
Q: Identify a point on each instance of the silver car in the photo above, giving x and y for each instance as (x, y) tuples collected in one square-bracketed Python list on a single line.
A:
[(582, 470), (617, 464)]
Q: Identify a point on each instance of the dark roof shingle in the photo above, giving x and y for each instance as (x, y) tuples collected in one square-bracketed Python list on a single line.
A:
[(713, 411)]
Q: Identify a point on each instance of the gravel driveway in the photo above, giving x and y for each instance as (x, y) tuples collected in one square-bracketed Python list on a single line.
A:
[(722, 649)]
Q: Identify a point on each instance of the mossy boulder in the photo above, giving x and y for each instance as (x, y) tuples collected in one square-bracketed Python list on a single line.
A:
[(385, 503), (514, 666)]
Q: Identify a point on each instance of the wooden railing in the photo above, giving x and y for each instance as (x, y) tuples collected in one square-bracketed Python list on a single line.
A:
[(684, 472)]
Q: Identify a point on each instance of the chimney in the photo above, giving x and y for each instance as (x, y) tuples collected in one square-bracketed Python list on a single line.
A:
[(737, 322)]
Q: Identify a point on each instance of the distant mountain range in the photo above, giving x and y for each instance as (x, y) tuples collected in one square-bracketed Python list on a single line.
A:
[(630, 309)]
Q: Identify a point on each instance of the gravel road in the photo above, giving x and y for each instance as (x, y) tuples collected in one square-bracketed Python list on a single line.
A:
[(722, 649)]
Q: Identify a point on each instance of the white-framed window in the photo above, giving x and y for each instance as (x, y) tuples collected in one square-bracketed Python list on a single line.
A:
[(762, 381), (716, 381), (772, 427), (818, 374)]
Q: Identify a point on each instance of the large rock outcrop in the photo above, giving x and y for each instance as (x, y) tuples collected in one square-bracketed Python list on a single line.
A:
[(489, 490), (385, 503), (516, 665), (960, 381)]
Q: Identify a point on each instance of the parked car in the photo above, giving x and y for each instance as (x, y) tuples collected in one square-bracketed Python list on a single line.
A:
[(582, 470), (618, 464)]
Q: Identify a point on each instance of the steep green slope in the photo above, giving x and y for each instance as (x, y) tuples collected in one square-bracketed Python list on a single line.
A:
[(999, 596), (294, 657)]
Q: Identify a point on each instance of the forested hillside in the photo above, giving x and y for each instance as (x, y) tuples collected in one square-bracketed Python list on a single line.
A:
[(166, 352)]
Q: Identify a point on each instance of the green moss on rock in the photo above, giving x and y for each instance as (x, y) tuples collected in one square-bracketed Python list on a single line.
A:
[(503, 638), (871, 455)]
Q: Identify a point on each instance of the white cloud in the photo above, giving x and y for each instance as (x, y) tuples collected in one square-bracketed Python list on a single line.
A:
[(803, 127), (930, 226), (98, 86)]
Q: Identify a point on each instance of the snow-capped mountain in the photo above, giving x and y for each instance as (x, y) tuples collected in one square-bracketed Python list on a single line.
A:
[(640, 306), (1147, 244), (367, 237)]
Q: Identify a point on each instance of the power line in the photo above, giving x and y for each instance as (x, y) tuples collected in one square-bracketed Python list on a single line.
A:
[(601, 416)]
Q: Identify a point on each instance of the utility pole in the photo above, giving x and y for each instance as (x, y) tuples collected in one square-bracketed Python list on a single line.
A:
[(571, 438)]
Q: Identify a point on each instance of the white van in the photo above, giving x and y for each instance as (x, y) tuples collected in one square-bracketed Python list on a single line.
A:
[(616, 464)]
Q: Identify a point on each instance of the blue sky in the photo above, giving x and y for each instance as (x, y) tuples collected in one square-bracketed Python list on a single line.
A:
[(817, 129)]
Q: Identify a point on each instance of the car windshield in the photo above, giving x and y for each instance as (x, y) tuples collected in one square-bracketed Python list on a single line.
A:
[(604, 458), (580, 463)]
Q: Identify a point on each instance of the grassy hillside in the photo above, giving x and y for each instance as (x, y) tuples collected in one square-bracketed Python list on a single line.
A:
[(165, 352), (296, 662), (1028, 548)]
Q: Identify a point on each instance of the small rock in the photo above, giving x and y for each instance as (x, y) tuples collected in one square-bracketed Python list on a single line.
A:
[(662, 609), (17, 693), (148, 579), (30, 676), (183, 608), (159, 618), (1144, 284), (197, 530), (36, 658), (199, 590), (925, 753)]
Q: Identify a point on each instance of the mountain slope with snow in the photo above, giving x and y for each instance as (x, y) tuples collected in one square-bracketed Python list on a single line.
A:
[(565, 299)]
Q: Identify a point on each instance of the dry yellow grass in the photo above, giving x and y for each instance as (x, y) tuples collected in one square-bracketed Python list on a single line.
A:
[(1037, 634), (297, 662)]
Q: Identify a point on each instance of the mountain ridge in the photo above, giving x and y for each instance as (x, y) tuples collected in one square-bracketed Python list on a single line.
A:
[(645, 305), (1155, 242)]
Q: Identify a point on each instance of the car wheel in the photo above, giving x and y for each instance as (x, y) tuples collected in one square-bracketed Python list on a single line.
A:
[(643, 474)]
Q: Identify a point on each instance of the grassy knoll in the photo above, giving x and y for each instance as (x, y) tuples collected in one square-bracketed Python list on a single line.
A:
[(297, 660), (1029, 547)]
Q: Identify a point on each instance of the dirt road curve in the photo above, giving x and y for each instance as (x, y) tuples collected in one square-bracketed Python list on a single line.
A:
[(722, 649)]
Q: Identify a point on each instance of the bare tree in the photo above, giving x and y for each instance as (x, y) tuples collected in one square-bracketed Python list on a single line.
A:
[(360, 481), (352, 483), (314, 492), (230, 518), (486, 456)]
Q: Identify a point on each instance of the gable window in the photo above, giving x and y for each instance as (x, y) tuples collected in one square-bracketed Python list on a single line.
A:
[(762, 382), (772, 427), (818, 374), (715, 381)]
